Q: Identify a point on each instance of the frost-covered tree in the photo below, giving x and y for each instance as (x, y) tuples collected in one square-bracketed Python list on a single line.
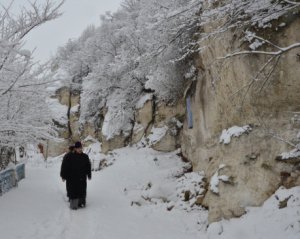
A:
[(142, 47), (24, 113), (148, 45)]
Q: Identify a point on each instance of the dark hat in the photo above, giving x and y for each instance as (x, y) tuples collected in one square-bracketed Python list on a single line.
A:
[(78, 145)]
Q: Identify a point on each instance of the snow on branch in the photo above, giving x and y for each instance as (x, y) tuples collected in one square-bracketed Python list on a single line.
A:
[(281, 51), (245, 15), (24, 115)]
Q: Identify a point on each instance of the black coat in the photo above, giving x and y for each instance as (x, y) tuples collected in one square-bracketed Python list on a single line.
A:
[(75, 169)]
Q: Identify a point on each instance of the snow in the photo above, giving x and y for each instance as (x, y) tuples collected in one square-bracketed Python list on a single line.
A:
[(143, 100), (58, 111), (89, 138), (34, 157), (234, 131), (137, 127), (60, 80), (95, 155), (191, 72), (155, 136), (193, 183), (256, 44), (74, 109), (252, 39), (138, 196), (295, 153), (267, 222), (283, 24), (118, 119), (38, 208), (214, 181)]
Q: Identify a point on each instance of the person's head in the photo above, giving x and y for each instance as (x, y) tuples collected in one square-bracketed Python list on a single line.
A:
[(78, 147), (71, 148)]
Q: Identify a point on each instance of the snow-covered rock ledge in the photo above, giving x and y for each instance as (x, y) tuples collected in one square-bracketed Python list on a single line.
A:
[(234, 131), (277, 218), (290, 157)]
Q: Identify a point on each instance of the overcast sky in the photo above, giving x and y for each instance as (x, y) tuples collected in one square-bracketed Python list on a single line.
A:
[(78, 14)]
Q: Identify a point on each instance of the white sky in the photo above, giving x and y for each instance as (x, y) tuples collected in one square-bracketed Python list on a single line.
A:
[(78, 14)]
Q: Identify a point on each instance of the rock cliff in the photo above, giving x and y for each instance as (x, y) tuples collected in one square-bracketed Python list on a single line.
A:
[(223, 98)]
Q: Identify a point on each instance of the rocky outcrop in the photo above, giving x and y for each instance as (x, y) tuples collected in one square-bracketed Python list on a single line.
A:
[(73, 116), (69, 131), (144, 119), (114, 143), (150, 117), (171, 117), (153, 116), (220, 100)]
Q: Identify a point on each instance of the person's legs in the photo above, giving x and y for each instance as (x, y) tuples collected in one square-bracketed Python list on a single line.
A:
[(73, 193), (68, 189), (74, 203), (82, 200)]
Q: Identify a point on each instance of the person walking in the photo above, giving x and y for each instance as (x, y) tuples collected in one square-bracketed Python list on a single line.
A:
[(75, 171), (63, 166)]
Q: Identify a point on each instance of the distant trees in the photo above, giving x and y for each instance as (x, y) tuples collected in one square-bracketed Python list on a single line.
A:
[(24, 113)]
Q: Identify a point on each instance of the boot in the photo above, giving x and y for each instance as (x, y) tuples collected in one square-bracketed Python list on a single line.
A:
[(82, 202)]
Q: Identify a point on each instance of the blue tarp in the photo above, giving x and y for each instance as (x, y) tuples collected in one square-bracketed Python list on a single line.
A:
[(20, 170), (9, 178), (189, 112)]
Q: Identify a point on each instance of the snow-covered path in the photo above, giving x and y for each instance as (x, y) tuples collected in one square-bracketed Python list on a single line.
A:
[(38, 208)]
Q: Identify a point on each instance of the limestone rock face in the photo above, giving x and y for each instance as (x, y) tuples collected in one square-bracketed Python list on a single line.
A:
[(164, 113), (144, 118), (220, 100), (75, 126), (89, 129), (138, 133), (145, 115), (114, 143), (172, 117), (56, 148), (71, 131), (74, 114), (63, 95), (168, 143)]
